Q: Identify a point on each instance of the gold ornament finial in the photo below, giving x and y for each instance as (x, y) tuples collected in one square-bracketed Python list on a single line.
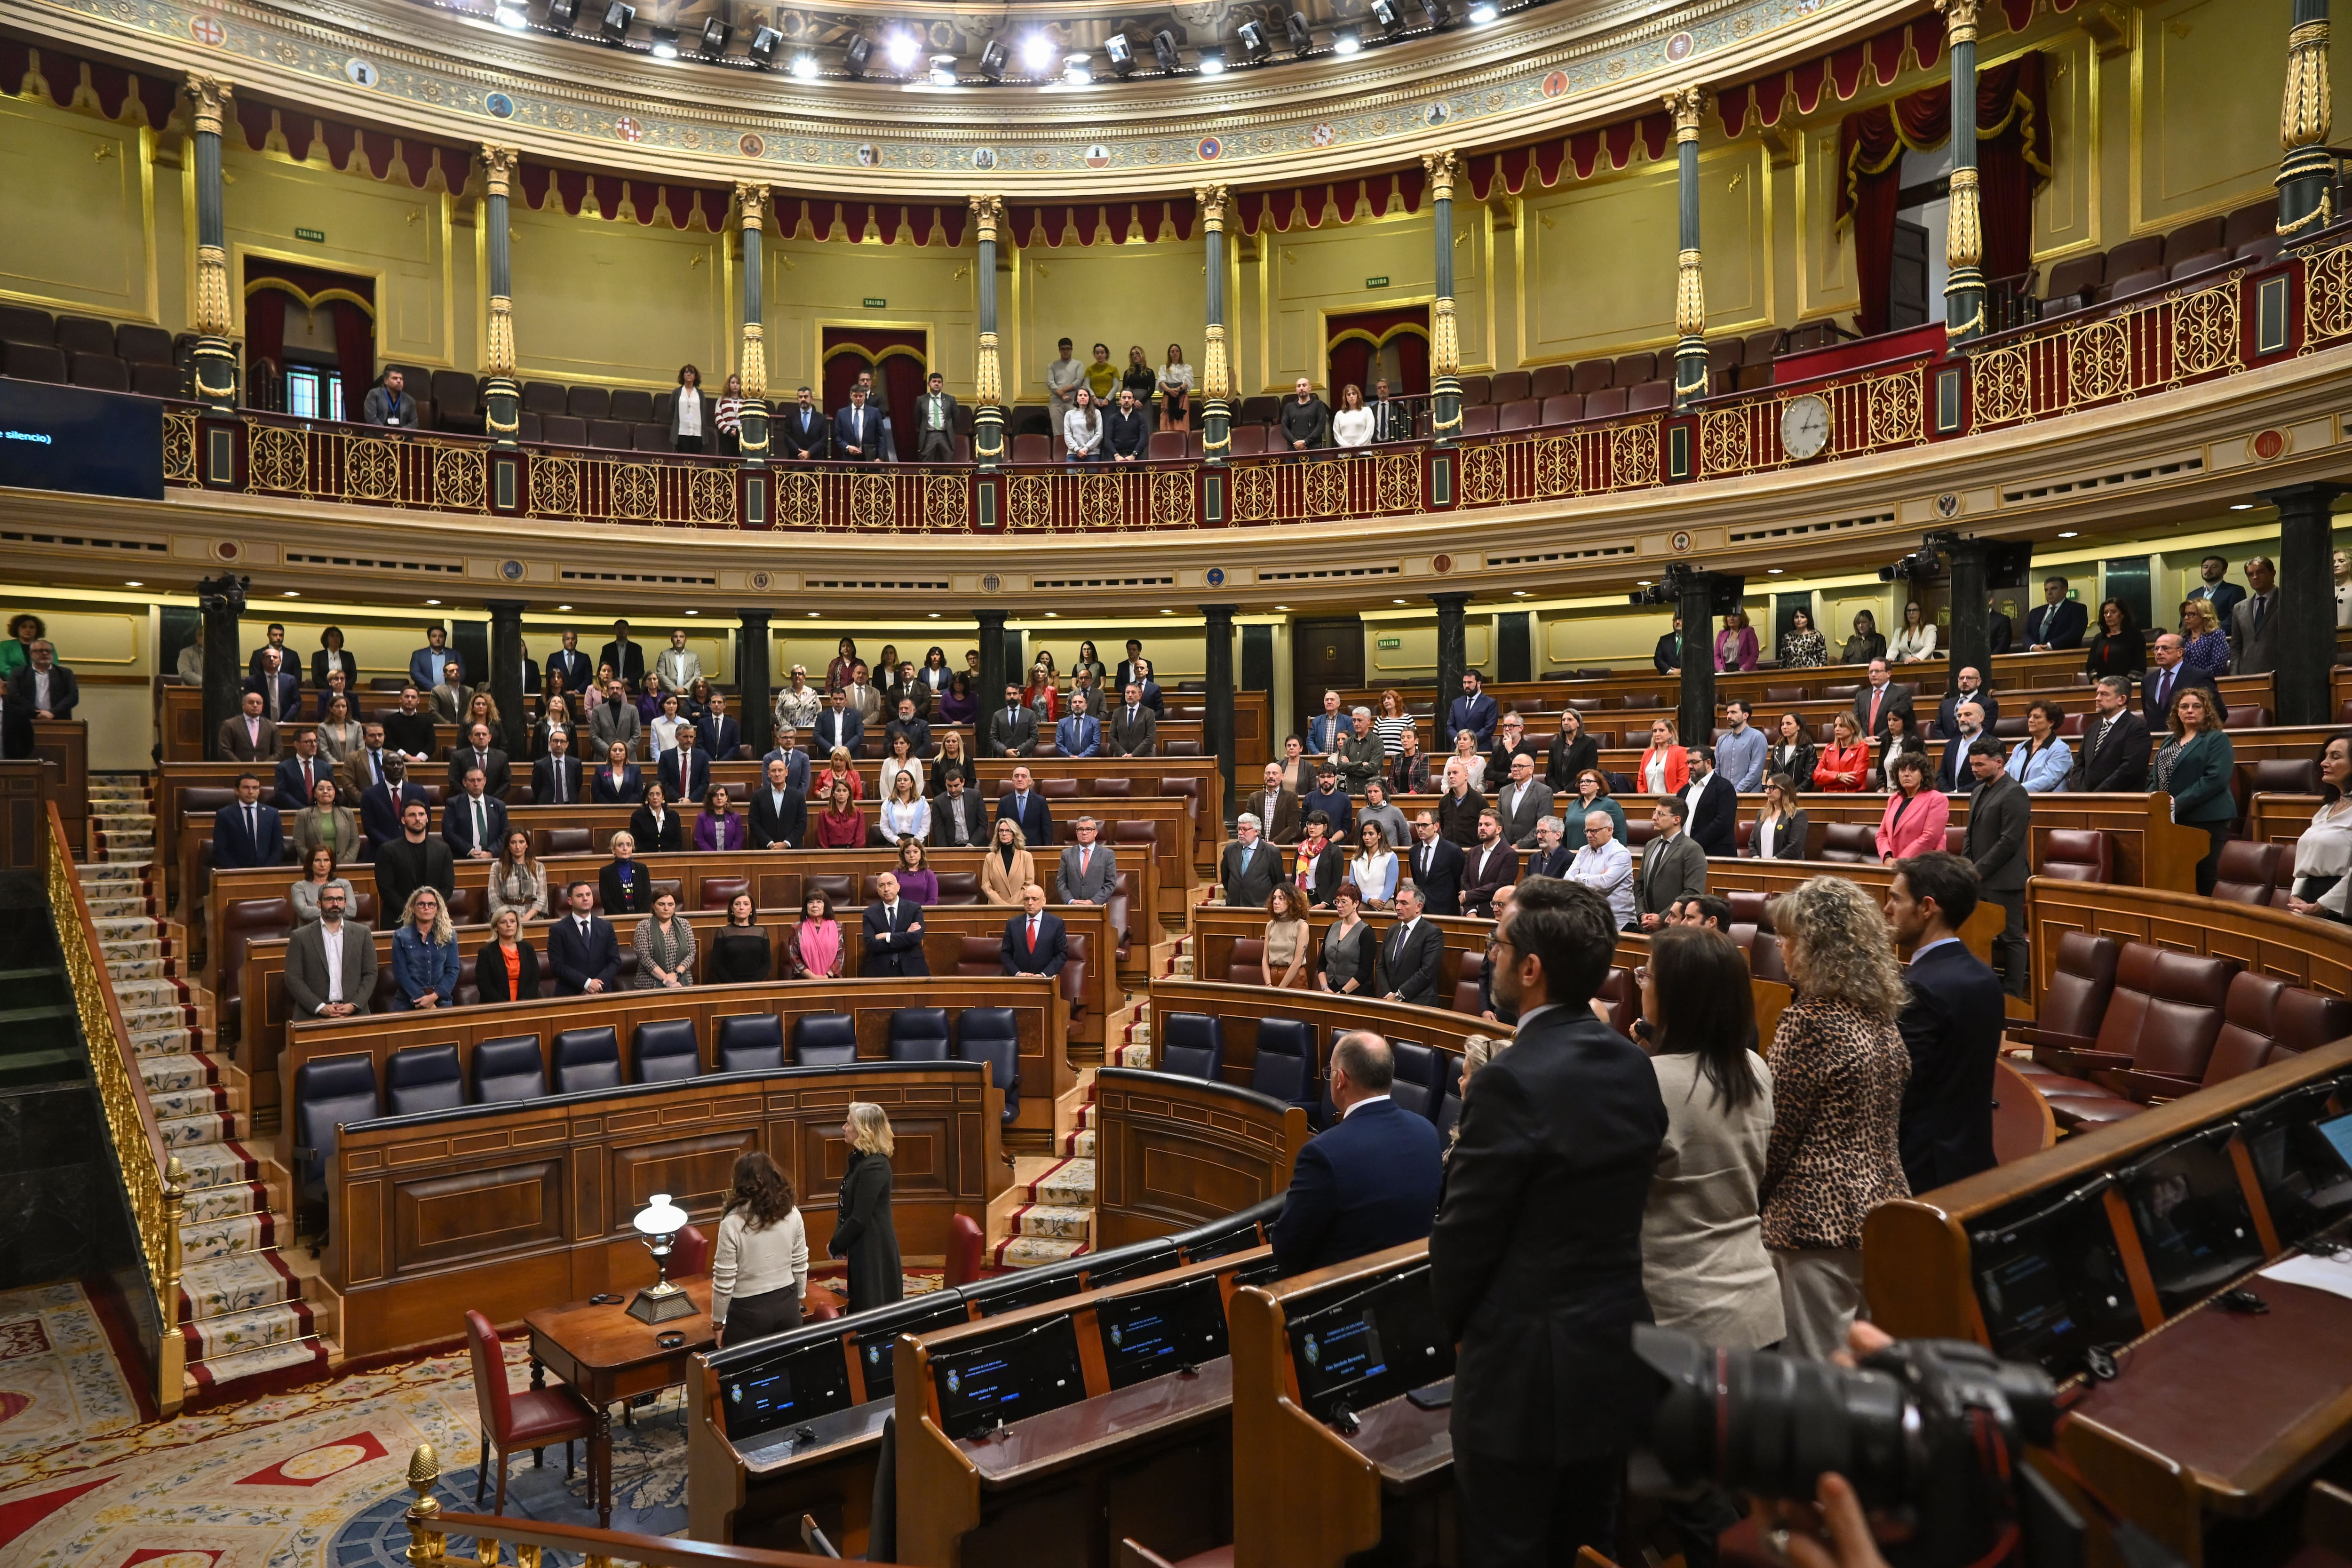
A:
[(1441, 167), (211, 96), (1687, 105)]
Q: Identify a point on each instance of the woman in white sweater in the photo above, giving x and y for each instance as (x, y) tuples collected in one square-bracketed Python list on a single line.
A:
[(1082, 429), (761, 1265), (1353, 425)]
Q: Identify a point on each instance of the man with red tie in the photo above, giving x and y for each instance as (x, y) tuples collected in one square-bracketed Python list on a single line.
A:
[(298, 775), (1879, 697), (1035, 940)]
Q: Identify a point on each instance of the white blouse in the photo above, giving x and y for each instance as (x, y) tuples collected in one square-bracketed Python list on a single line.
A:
[(2325, 850), (689, 411), (885, 782), (665, 734), (1763, 837), (906, 819), (1653, 777), (1352, 426)]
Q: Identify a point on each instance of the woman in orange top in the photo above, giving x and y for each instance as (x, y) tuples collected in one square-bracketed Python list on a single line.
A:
[(1665, 767), (1844, 762)]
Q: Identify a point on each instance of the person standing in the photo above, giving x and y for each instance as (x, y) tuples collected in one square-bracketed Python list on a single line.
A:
[(1035, 940), (1063, 376), (330, 967), (2194, 765), (2000, 830), (2058, 622), (1368, 1182), (2113, 754), (1250, 867), (894, 933), (1951, 1026), (40, 689), (1673, 864), (759, 1265), (934, 421), (2254, 623), (862, 1232), (1536, 1257), (409, 863), (1305, 419), (2215, 587), (1411, 957)]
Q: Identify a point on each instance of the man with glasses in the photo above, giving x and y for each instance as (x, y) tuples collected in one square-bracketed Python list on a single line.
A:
[(1606, 866)]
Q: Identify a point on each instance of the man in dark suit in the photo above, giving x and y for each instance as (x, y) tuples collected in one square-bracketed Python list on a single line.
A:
[(685, 769), (1551, 856), (555, 778), (2112, 754), (2167, 676), (804, 432), (2058, 622), (1250, 866), (44, 689), (1329, 797), (2000, 826), (1536, 1257), (246, 736), (935, 422), (571, 664), (1458, 808), (1435, 867), (912, 725), (2254, 623), (273, 654), (894, 933), (1968, 686), (1012, 729), (722, 736), (298, 775), (959, 809), (316, 988), (1472, 711), (796, 760), (779, 812), (1368, 1182), (624, 655), (1129, 673), (1035, 940), (1713, 807), (839, 725), (409, 729), (1951, 1026), (1879, 697), (1491, 865), (1027, 808), (2000, 635), (1392, 417), (856, 430), (1970, 734), (278, 683), (247, 831), (1134, 730), (1673, 864), (474, 822), (412, 860), (583, 953), (381, 805), (2213, 574), (1415, 948), (1668, 657), (477, 752), (1277, 808)]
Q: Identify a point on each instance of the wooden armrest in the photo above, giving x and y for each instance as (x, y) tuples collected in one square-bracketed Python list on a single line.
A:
[(2027, 1035), (2081, 1064), (2151, 1086)]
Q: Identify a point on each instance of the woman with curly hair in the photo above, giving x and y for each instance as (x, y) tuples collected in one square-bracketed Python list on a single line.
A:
[(760, 1267), (1839, 1068)]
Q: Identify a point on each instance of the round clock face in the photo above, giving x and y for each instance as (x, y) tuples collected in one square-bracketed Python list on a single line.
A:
[(1804, 427)]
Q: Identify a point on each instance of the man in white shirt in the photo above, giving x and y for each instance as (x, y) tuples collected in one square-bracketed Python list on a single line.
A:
[(678, 668), (1606, 866), (330, 968)]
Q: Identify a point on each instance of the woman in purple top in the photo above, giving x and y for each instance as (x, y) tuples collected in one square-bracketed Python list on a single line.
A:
[(717, 827), (958, 706), (917, 881)]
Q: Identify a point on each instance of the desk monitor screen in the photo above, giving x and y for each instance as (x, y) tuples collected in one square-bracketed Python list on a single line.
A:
[(2192, 1220), (1264, 1272), (1156, 1258), (1370, 1344), (878, 1337), (1241, 1238), (1027, 1372), (995, 1303), (786, 1390), (2301, 1159), (2050, 1280), (1153, 1333)]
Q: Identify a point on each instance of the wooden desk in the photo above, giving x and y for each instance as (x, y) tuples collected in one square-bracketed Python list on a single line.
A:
[(66, 743), (1064, 1439), (1171, 1153), (606, 1355)]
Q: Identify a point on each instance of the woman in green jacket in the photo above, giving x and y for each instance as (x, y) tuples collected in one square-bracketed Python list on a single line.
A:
[(2195, 764), (16, 649)]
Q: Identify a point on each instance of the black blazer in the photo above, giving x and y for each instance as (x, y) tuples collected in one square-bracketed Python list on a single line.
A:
[(1440, 881), (801, 430), (1953, 775), (975, 818), (1788, 838), (1947, 711), (628, 663), (1536, 1259), (631, 895), (2159, 714), (573, 665), (2120, 763), (322, 661), (2060, 624), (1952, 1028), (576, 960), (863, 1234), (773, 823), (1368, 1182), (542, 780), (1798, 767), (1250, 888), (670, 839), (2001, 825), (1329, 867), (1569, 760), (890, 947), (491, 973), (628, 792), (1715, 823), (1052, 945), (1412, 964)]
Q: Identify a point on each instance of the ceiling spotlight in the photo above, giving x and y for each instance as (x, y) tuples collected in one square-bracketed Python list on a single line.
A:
[(1077, 70), (561, 13), (853, 59), (1346, 44), (715, 34), (992, 60), (804, 67), (1163, 50), (1212, 65), (617, 18), (1483, 13), (1390, 19), (513, 16), (1301, 40), (900, 50), (665, 43), (1120, 53), (1037, 55), (943, 72), (2065, 534), (2241, 505), (763, 46), (1254, 44)]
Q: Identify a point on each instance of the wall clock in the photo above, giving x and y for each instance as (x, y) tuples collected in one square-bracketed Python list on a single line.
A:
[(1804, 427)]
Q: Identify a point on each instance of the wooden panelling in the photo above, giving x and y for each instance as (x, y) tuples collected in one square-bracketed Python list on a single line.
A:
[(26, 787), (1172, 1152), (2313, 953), (65, 744)]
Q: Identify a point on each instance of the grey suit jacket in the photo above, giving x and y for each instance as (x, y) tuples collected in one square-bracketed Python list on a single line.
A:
[(678, 668), (1094, 886), (1140, 739), (305, 968), (1671, 869), (1534, 804), (1013, 737), (613, 721), (2254, 649)]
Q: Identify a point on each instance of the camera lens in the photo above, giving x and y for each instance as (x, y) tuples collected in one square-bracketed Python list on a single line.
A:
[(1771, 1424)]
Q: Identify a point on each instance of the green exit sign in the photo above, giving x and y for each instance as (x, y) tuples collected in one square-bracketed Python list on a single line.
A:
[(876, 304), (1391, 642), (315, 236), (1376, 282)]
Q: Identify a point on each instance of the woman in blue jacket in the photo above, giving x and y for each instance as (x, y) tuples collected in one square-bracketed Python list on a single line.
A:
[(424, 954), (2041, 761), (2194, 765)]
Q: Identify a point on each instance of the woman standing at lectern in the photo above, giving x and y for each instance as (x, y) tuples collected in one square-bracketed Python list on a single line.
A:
[(862, 1232)]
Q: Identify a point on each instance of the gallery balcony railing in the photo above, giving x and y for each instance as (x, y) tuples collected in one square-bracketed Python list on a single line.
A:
[(2215, 324)]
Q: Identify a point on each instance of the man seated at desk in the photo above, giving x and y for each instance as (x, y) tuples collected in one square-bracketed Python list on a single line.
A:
[(1368, 1181)]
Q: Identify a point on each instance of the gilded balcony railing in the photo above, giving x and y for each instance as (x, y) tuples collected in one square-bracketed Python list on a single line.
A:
[(151, 1174), (2190, 331)]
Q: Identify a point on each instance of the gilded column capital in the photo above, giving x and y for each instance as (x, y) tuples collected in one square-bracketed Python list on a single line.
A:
[(751, 203), (987, 216), (2305, 113), (1687, 105), (210, 95), (1211, 200), (1441, 167), (1960, 20), (498, 165)]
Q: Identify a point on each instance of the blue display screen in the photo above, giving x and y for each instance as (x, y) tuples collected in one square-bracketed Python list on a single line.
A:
[(72, 439)]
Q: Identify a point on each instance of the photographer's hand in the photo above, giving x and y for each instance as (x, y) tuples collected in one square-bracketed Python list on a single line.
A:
[(1850, 1544)]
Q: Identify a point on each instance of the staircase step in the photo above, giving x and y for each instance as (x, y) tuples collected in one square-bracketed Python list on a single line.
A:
[(1034, 1251), (180, 1103), (212, 1164), (220, 1371), (218, 1287), (1054, 1222), (227, 1237), (169, 1074), (189, 1132), (1069, 1185), (236, 1333), (1081, 1144), (221, 1202)]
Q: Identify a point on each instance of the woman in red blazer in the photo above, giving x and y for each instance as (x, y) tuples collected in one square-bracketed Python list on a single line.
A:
[(1844, 762), (1915, 815), (1665, 767)]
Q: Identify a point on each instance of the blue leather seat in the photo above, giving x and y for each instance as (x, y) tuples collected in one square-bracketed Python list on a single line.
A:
[(918, 1034), (1284, 1069), (824, 1040), (328, 1092), (1415, 1088), (751, 1042), (988, 1034), (666, 1049), (1195, 1046), (1448, 1081), (587, 1059), (423, 1078), (1449, 1113), (508, 1068)]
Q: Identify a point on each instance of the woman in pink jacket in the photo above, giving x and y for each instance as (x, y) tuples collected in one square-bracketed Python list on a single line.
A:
[(1915, 815), (1735, 644)]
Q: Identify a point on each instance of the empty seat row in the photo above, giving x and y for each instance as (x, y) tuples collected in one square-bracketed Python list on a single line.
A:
[(131, 342), (2149, 261), (99, 372)]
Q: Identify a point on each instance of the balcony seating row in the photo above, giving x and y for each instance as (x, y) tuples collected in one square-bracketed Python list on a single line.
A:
[(84, 351), (2149, 261)]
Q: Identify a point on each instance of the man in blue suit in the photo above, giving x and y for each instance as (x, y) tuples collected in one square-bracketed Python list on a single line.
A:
[(247, 832), (1035, 941), (894, 933), (796, 760), (803, 432), (857, 430), (722, 736), (280, 688), (569, 662), (2058, 622), (582, 950), (474, 823), (839, 725), (1472, 711), (1951, 1026), (685, 769), (298, 776), (1027, 807), (1368, 1181), (1079, 734), (425, 665)]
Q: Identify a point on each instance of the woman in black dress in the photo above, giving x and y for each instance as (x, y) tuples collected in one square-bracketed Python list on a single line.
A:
[(862, 1232), (1572, 752), (738, 954)]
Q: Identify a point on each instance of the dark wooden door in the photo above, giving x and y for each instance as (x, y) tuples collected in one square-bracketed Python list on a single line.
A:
[(1906, 294), (1324, 655)]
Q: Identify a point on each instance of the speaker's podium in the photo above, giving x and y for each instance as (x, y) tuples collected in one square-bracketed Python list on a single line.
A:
[(1341, 1383)]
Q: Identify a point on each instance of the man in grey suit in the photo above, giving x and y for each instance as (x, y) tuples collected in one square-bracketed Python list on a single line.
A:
[(1012, 729), (678, 666), (329, 966), (1134, 728), (1673, 864), (1522, 803), (2000, 830), (1088, 871), (615, 718), (1414, 951), (1250, 867), (2254, 622)]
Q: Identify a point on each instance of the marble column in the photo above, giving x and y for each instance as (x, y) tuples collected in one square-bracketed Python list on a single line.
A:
[(993, 676), (1694, 710), (1453, 659), (216, 361), (751, 210), (221, 600), (987, 393), (2307, 171), (755, 682), (1686, 105), (1964, 287), (1445, 339), (502, 399), (1217, 732), (2304, 601), (1217, 371), (506, 676), (1970, 636)]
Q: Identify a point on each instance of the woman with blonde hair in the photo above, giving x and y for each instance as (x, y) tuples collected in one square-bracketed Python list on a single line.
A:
[(838, 764), (1838, 1072), (2205, 645), (424, 954), (862, 1232), (1664, 767), (1007, 867), (758, 1266), (482, 710)]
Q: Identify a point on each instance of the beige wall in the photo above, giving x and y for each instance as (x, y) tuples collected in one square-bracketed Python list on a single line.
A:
[(80, 235)]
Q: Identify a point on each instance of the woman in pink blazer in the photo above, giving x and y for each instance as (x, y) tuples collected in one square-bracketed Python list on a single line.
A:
[(1735, 644), (1915, 815)]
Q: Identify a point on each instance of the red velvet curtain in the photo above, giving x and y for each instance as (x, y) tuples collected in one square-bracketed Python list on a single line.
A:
[(2013, 156), (1412, 366), (1352, 342), (355, 354), (1351, 364), (265, 349)]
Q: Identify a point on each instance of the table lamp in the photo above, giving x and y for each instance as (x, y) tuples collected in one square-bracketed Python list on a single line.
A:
[(658, 1223)]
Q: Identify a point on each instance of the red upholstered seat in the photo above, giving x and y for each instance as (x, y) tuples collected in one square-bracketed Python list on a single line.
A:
[(978, 956), (689, 1254), (1242, 967), (1466, 976), (965, 1242), (2078, 855), (2248, 871), (532, 1419)]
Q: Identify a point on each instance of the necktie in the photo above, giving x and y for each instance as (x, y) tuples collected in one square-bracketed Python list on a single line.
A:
[(1878, 695), (559, 781), (1085, 853), (583, 928), (2164, 691), (1032, 933), (481, 824), (252, 827), (2260, 600), (252, 731), (375, 767), (309, 784)]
